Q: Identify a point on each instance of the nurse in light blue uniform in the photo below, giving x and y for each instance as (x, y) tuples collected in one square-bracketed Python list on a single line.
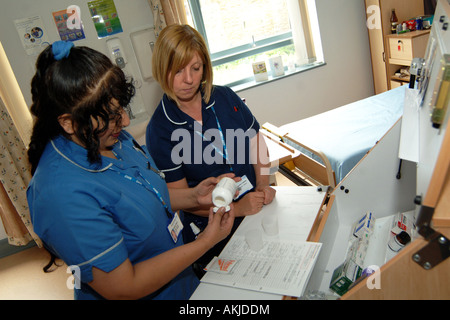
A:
[(96, 198)]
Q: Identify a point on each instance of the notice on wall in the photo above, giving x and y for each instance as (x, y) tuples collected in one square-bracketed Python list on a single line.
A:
[(105, 17), (68, 23), (32, 33)]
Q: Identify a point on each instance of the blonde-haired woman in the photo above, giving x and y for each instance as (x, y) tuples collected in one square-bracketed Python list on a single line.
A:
[(200, 130)]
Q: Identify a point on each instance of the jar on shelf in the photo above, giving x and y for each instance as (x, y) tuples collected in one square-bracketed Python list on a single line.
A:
[(399, 241)]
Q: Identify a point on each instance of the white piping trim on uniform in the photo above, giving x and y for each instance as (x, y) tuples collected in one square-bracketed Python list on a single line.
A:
[(212, 104), (101, 254), (167, 116), (76, 164), (252, 124), (173, 169)]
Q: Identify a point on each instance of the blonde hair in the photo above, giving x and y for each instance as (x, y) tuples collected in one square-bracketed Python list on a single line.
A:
[(173, 50)]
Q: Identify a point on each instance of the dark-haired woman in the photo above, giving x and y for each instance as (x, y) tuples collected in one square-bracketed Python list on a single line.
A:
[(96, 198)]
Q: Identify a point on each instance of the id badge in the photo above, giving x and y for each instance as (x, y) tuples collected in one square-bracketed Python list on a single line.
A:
[(175, 227), (243, 186)]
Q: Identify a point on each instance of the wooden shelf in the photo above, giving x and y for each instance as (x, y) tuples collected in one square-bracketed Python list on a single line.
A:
[(401, 49), (401, 79), (405, 9)]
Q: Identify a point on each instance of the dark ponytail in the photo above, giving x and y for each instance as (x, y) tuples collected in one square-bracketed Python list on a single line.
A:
[(43, 129), (82, 84)]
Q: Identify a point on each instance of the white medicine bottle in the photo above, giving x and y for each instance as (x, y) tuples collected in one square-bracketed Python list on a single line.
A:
[(224, 192)]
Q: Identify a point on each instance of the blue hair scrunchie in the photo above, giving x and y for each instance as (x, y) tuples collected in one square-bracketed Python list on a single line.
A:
[(61, 49)]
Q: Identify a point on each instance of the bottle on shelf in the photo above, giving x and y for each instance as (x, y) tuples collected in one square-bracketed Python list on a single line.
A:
[(394, 22)]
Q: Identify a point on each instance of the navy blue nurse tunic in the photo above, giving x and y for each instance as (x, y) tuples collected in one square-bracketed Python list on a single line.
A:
[(183, 148)]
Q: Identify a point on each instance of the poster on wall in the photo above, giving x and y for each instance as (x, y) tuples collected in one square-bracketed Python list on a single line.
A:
[(105, 17), (32, 34), (68, 24)]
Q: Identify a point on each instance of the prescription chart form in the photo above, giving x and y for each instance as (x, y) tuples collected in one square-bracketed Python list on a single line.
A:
[(284, 263)]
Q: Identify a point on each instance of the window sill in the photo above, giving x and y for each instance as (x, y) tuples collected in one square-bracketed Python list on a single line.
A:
[(252, 83)]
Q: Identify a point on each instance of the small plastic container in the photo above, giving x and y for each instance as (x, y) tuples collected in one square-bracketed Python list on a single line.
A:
[(224, 192), (254, 239)]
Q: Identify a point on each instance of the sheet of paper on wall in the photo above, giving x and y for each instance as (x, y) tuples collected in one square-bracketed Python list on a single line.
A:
[(32, 34), (68, 23), (409, 136), (280, 267), (105, 17)]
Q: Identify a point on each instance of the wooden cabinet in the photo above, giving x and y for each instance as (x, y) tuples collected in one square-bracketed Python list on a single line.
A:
[(401, 49), (404, 47), (421, 269), (380, 11)]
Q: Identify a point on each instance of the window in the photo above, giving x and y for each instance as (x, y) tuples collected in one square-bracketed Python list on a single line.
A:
[(242, 32)]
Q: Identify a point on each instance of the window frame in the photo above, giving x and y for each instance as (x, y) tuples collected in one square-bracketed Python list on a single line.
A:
[(239, 52), (258, 47)]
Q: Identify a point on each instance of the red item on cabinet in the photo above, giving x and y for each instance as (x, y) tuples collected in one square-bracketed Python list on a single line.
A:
[(411, 24)]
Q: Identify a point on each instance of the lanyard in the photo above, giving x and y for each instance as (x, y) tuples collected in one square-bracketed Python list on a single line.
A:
[(224, 154), (137, 147), (147, 185)]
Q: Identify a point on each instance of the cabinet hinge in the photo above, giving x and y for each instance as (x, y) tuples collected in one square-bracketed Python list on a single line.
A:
[(438, 247)]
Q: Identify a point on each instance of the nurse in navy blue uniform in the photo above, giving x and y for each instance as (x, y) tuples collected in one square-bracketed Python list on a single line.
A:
[(97, 199), (199, 130)]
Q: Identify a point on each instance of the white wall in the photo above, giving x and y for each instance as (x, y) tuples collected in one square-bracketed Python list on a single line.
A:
[(346, 77)]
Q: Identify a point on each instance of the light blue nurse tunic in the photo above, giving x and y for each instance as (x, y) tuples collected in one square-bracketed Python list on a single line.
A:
[(100, 215)]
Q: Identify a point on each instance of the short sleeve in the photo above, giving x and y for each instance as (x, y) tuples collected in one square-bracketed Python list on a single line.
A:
[(79, 231), (163, 150)]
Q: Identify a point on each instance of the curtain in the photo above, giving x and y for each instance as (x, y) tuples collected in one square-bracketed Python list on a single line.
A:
[(14, 177), (429, 6), (167, 12)]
